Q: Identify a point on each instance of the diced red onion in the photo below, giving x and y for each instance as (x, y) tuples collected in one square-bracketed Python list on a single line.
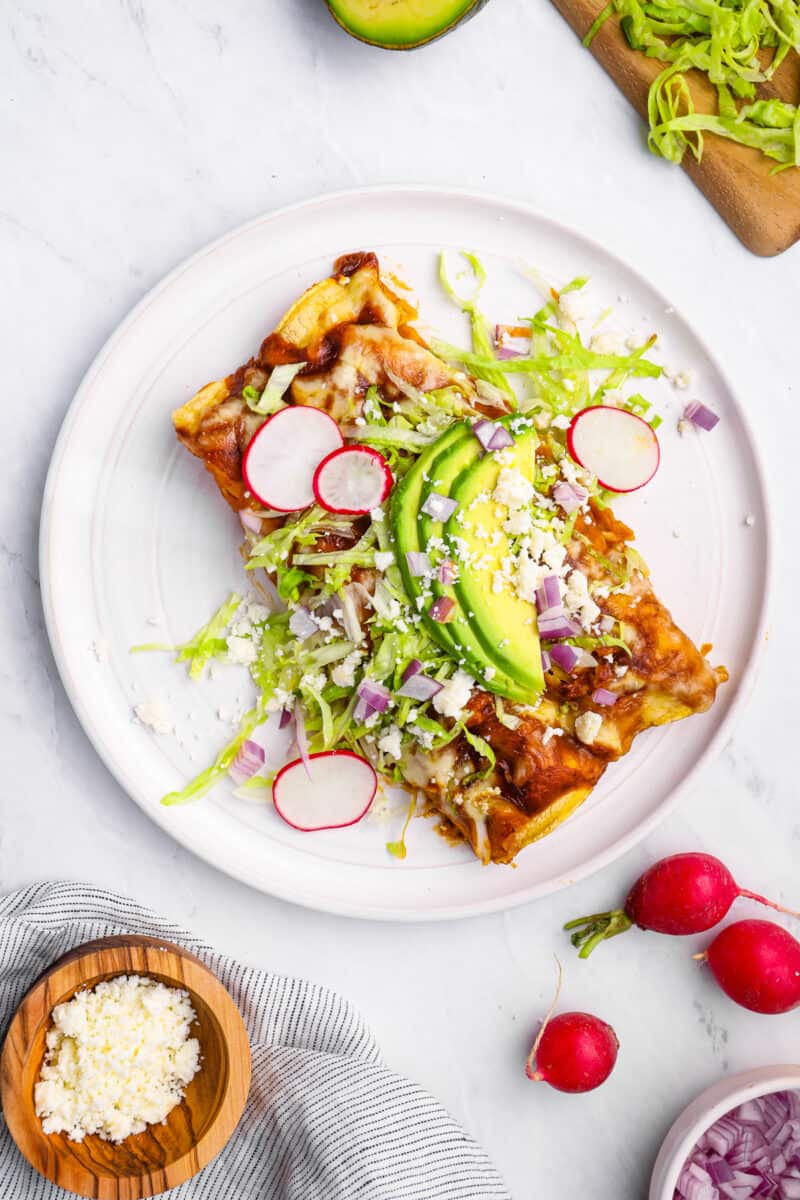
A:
[(376, 697), (546, 664), (448, 572), (548, 594), (700, 415), (439, 508), (420, 687), (301, 624), (751, 1152), (723, 1135), (287, 716), (750, 1113), (501, 439), (301, 736), (504, 352), (570, 496), (484, 431), (719, 1170), (442, 609), (249, 759), (250, 520), (604, 697), (565, 656), (554, 623), (418, 563), (413, 668)]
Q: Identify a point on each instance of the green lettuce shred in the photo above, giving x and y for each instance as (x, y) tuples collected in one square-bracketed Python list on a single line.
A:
[(737, 45)]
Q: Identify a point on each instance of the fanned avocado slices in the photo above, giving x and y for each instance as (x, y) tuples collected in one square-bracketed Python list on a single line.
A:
[(402, 24), (504, 623), (500, 648)]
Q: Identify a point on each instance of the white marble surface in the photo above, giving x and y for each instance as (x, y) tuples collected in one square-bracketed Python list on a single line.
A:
[(137, 130)]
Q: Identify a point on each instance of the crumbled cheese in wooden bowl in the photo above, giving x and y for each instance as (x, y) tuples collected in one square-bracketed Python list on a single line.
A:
[(117, 1059)]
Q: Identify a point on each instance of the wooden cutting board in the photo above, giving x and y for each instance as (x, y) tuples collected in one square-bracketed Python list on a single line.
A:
[(763, 210)]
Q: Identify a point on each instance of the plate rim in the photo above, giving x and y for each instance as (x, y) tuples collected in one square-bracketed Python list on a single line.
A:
[(602, 858)]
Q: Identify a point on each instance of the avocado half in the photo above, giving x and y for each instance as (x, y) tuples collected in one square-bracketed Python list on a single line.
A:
[(402, 24)]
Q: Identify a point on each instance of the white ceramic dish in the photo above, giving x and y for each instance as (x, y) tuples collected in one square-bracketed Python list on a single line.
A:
[(709, 1106), (133, 529)]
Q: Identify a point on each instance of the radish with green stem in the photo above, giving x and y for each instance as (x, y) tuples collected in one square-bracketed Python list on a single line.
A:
[(679, 895)]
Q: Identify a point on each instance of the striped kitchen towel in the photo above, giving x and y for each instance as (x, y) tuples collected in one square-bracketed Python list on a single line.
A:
[(325, 1119)]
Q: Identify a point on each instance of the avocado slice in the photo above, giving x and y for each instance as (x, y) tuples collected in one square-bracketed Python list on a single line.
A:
[(449, 466), (504, 624), (402, 24), (404, 513)]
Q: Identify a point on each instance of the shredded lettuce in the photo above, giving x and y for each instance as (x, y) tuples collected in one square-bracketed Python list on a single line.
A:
[(271, 399), (209, 642), (482, 343), (736, 44), (398, 849)]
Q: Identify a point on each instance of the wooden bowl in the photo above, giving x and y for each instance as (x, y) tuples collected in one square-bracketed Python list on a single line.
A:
[(163, 1156)]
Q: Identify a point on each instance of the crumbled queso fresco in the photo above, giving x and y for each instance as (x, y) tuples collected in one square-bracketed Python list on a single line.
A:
[(117, 1059)]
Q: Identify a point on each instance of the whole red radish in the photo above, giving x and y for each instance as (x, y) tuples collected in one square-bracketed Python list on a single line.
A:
[(679, 895), (757, 964), (573, 1052)]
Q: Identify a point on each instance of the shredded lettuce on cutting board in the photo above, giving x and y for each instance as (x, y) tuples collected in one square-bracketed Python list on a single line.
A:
[(737, 44)]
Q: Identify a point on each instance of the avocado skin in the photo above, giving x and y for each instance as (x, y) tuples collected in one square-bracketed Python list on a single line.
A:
[(512, 647), (471, 10)]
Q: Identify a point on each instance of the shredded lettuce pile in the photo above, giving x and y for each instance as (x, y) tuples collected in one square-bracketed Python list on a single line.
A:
[(736, 44), (307, 568)]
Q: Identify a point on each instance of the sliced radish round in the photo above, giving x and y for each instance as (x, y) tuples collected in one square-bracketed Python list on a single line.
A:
[(352, 480), (279, 464), (618, 447), (338, 791)]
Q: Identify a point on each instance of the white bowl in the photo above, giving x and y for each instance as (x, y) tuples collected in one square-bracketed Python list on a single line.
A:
[(709, 1106)]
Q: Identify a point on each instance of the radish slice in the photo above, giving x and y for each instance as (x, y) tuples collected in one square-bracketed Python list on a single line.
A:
[(339, 793), (617, 446), (279, 464), (352, 480)]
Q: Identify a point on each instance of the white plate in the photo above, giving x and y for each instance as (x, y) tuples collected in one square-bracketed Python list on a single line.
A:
[(133, 528)]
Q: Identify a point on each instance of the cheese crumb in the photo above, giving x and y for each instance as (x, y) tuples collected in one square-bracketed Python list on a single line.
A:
[(454, 696), (241, 650), (587, 727), (117, 1059), (343, 674), (513, 489), (154, 715), (390, 743)]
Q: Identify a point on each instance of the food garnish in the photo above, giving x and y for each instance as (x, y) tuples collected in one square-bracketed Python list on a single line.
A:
[(336, 791), (678, 895), (700, 415), (753, 1151), (619, 447), (118, 1058), (352, 480), (280, 462), (738, 45)]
